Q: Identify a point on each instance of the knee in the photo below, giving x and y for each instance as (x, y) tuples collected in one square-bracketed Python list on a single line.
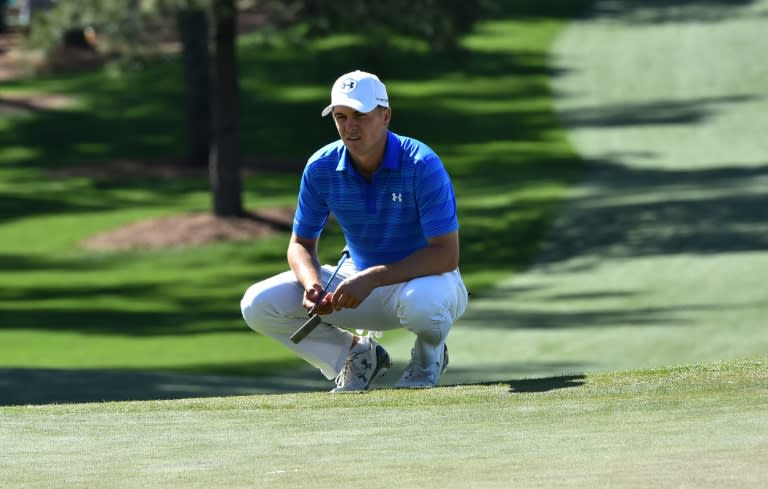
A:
[(415, 303), (423, 312), (270, 303), (254, 307)]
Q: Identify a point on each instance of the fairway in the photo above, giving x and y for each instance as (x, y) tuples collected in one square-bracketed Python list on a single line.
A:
[(697, 426), (660, 256)]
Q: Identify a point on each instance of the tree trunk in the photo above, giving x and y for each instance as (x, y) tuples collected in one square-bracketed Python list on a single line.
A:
[(193, 28), (225, 152), (3, 26)]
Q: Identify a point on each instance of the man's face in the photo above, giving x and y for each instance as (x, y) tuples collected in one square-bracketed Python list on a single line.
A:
[(362, 133)]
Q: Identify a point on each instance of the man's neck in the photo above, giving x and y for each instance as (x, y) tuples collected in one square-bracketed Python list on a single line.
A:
[(368, 164)]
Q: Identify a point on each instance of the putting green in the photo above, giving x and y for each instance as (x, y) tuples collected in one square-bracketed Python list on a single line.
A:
[(661, 256)]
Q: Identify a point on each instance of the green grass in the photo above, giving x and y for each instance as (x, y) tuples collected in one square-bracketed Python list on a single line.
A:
[(489, 115), (525, 403), (701, 425)]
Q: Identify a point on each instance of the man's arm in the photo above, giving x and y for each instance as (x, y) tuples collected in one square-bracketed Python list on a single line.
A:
[(305, 265), (441, 255)]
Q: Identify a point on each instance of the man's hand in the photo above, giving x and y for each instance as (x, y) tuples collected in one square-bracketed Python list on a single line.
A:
[(312, 298), (352, 292)]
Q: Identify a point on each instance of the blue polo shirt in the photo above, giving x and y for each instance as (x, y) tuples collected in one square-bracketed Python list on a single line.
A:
[(409, 199)]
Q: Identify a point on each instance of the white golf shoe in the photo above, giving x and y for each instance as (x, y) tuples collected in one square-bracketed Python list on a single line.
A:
[(419, 376), (361, 367)]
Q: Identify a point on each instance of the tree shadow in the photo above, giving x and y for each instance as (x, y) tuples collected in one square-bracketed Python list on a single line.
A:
[(546, 384), (671, 11), (635, 212), (656, 113), (35, 386), (84, 303), (529, 376), (520, 317), (40, 386), (571, 313)]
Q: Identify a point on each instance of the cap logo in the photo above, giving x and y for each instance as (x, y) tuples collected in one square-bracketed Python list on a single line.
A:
[(348, 85)]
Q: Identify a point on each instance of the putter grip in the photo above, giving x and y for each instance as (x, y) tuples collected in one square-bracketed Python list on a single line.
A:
[(305, 329)]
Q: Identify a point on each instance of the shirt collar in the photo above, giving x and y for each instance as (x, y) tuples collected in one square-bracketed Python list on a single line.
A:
[(390, 161)]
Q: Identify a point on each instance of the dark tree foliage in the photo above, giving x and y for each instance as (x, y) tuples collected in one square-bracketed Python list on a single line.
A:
[(438, 22)]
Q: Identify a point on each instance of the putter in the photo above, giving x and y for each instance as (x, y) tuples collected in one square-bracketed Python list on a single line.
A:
[(314, 319)]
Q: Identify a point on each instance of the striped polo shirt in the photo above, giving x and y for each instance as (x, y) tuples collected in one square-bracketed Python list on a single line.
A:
[(409, 199)]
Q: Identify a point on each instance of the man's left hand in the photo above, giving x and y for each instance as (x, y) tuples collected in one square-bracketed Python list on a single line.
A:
[(352, 292)]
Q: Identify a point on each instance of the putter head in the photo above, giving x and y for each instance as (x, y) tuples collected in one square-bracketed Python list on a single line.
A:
[(306, 328)]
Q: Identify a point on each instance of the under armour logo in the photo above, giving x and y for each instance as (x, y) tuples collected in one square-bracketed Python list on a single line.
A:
[(397, 197), (348, 85)]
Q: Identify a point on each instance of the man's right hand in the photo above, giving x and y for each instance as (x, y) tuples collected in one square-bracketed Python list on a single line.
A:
[(312, 298)]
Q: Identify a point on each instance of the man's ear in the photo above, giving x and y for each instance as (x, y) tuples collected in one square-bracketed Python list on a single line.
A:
[(387, 115)]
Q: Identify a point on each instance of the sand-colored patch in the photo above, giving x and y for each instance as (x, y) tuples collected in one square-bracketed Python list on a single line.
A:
[(193, 229)]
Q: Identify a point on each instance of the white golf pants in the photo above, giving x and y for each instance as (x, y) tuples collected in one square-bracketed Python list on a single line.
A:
[(426, 306)]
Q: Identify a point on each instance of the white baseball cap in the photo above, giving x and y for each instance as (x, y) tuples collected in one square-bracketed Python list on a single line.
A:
[(358, 90)]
